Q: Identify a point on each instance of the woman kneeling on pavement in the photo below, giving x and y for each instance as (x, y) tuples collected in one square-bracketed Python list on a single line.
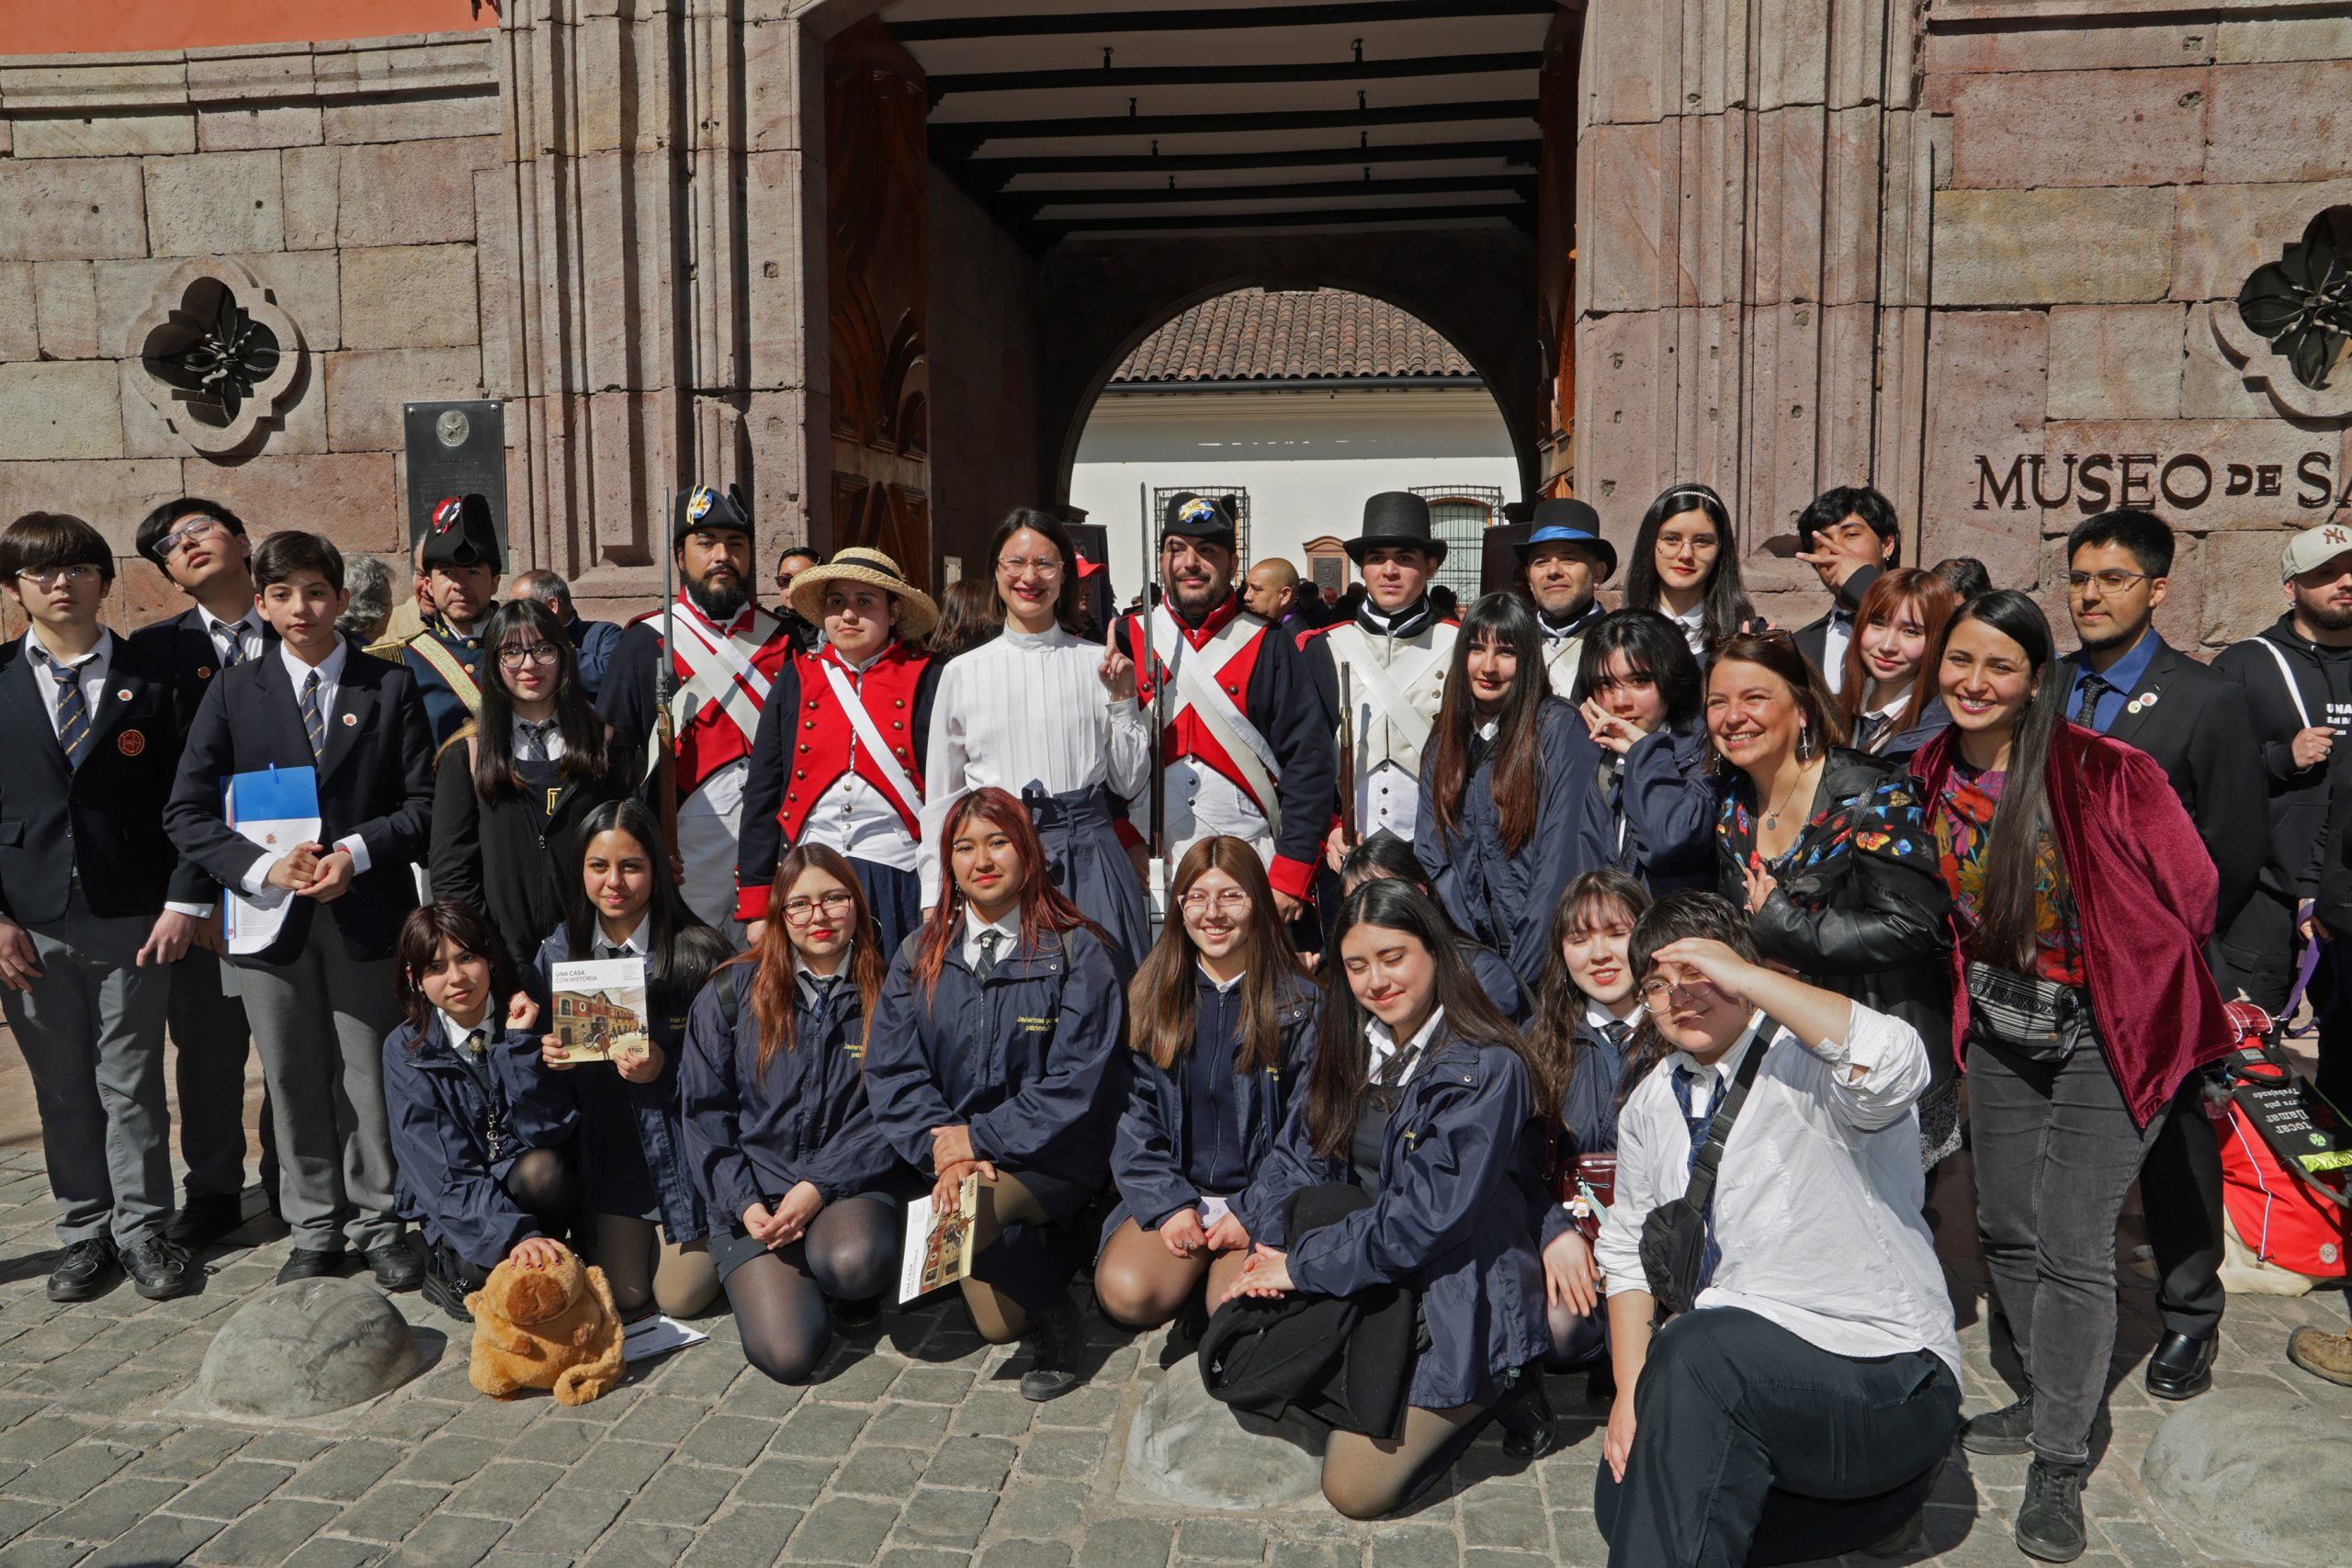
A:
[(805, 1192), (1223, 1021)]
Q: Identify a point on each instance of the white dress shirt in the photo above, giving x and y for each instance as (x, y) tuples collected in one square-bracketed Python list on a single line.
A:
[(1384, 1045), (1008, 928), (456, 1032), (814, 986), (247, 630), (633, 947), (1027, 708), (1817, 1205), (1693, 622), (853, 816), (330, 669), (1834, 636)]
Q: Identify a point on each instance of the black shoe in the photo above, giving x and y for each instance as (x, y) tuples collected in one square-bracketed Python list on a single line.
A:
[(159, 1269), (205, 1219), (853, 1316), (1526, 1418), (395, 1264), (2182, 1367), (1907, 1537), (2008, 1430), (303, 1263), (2049, 1525), (85, 1270), (1053, 1342), (449, 1294)]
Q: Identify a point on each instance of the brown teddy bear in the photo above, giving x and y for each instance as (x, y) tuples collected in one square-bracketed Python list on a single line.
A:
[(549, 1327)]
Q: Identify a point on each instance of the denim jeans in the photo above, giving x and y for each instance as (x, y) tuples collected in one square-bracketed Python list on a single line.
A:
[(1751, 1447), (2057, 1151)]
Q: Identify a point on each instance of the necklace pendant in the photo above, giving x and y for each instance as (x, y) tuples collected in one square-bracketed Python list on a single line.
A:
[(1773, 820)]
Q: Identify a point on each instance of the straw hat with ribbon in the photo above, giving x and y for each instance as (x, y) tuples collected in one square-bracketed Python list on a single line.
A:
[(917, 613)]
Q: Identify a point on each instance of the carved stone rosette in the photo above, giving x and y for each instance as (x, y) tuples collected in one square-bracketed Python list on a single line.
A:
[(215, 356)]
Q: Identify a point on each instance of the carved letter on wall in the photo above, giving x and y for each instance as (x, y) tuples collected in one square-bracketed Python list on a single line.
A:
[(215, 356)]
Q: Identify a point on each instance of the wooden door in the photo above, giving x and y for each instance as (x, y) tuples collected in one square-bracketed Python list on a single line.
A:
[(877, 232)]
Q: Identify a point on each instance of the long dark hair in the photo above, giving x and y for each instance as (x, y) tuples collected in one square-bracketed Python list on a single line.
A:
[(774, 979), (2005, 931), (1336, 1084), (970, 613), (681, 951), (1046, 910), (1776, 654), (1724, 607), (583, 732), (1070, 608), (1556, 1033), (1673, 918), (421, 937), (1654, 649), (1386, 854), (1935, 600), (1508, 621), (1163, 997)]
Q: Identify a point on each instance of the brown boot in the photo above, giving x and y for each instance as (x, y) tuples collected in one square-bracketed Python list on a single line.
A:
[(2321, 1354)]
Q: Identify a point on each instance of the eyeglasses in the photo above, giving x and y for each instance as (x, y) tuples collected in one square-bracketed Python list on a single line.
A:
[(2113, 580), (1656, 994), (42, 576), (1198, 901), (1047, 569), (186, 533), (800, 912), (513, 657)]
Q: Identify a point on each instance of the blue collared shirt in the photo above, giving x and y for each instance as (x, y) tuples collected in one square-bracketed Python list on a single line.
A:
[(2122, 676)]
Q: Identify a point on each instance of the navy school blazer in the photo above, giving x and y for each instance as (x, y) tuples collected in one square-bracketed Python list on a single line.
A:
[(1452, 1211), (754, 1136), (1148, 1152), (1664, 828), (375, 780), (1029, 1061), (443, 1176)]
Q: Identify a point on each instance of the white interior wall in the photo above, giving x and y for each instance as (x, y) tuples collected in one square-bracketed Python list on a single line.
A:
[(1308, 458)]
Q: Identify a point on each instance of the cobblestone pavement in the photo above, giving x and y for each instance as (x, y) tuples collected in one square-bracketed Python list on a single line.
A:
[(913, 1452)]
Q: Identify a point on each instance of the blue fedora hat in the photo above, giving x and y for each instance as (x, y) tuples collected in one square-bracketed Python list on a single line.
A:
[(1566, 519)]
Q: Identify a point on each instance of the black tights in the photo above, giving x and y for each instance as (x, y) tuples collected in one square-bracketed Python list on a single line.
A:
[(849, 1253), (541, 1184)]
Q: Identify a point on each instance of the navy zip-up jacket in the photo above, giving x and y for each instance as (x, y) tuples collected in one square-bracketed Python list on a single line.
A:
[(1028, 1061), (443, 1176), (1459, 1177), (1505, 899), (754, 1136), (1588, 1116), (1663, 828), (653, 1107), (1149, 1152)]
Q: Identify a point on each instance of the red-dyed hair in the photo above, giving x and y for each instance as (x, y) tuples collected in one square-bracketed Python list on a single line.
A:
[(1044, 908), (774, 980)]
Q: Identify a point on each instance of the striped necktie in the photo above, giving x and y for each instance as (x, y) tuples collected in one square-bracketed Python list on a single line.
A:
[(233, 652), (72, 709), (1701, 1123), (314, 724)]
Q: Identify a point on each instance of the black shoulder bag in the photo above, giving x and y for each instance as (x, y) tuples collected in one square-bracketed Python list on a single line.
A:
[(1674, 1236)]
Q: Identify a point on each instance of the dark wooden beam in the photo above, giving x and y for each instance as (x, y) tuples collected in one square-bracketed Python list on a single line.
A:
[(1033, 201), (997, 172), (1519, 212), (1208, 18), (954, 140), (1120, 78)]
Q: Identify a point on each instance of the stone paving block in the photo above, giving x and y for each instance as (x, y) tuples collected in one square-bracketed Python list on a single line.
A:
[(819, 1429), (941, 1516), (732, 1442), (640, 1546), (388, 1512), (1027, 1554), (993, 1412), (908, 1426), (788, 1480), (1090, 1406), (876, 1471), (1576, 1535), (157, 1539), (232, 1489), (328, 1552), (706, 1376), (445, 1461), (449, 1540), (72, 1473), (346, 1471), (411, 1419), (932, 1386), (554, 1441), (841, 1530), (977, 1463), (1510, 1517), (860, 1382), (269, 1534), (569, 1519), (764, 1397), (1493, 1557), (744, 1538), (504, 1491), (1126, 1544), (921, 1557), (1315, 1554), (680, 1494), (1040, 1510), (18, 1515), (1417, 1546), (1221, 1541), (618, 1467), (111, 1510), (33, 1441), (1068, 1454), (658, 1418)]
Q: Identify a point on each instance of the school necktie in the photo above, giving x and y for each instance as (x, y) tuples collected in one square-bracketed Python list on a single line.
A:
[(531, 740), (987, 966), (233, 652), (1617, 1034), (2087, 702), (314, 724), (1392, 1071), (1686, 1084), (73, 709)]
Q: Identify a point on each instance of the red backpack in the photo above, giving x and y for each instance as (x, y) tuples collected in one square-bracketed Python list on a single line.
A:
[(2285, 1156)]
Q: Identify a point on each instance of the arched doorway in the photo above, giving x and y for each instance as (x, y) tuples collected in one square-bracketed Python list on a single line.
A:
[(1298, 404)]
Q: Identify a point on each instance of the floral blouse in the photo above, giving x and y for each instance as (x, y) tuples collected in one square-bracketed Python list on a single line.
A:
[(1964, 830)]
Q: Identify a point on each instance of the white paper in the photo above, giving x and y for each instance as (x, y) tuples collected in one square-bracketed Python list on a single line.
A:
[(250, 924), (657, 1336), (1213, 1210)]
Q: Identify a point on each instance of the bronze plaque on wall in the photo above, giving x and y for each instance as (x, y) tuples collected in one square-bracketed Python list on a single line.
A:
[(455, 449)]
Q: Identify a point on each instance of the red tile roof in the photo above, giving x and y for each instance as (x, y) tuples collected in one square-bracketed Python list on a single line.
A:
[(1251, 335)]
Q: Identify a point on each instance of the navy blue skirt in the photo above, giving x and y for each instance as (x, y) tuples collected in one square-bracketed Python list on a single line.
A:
[(1089, 864), (893, 898)]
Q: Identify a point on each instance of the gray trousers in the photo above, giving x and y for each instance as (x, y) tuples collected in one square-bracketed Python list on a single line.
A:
[(2056, 1154), (210, 1031), (319, 1021), (92, 1032)]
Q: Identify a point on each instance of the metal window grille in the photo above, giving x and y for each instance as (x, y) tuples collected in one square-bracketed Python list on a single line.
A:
[(1235, 497), (1461, 514)]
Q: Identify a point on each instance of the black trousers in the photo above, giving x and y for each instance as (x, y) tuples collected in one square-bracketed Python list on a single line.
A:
[(1752, 1445)]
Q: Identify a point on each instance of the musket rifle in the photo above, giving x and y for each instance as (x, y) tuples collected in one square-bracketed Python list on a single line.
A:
[(1349, 830), (665, 725), (1148, 676)]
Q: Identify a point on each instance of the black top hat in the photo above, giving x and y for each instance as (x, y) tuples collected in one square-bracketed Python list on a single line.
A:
[(461, 533), (1395, 518), (702, 508), (1563, 519), (1192, 516)]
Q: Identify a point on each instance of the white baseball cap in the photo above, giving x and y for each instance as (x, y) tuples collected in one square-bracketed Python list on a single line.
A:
[(2315, 547)]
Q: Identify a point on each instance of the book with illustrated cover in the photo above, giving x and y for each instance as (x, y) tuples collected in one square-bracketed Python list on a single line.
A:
[(599, 1012), (939, 1245)]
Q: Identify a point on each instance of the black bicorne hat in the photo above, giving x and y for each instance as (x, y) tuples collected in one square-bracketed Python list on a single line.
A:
[(1192, 516), (704, 507), (460, 532)]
